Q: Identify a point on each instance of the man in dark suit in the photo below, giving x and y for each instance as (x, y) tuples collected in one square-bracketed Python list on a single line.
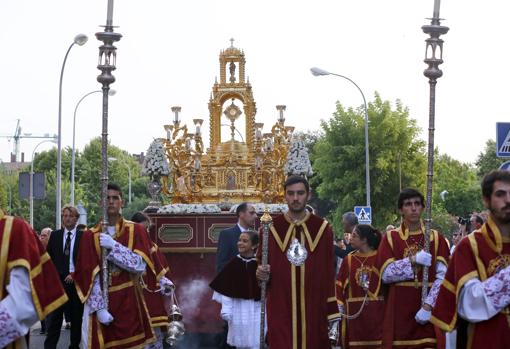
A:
[(227, 248), (227, 241), (63, 248)]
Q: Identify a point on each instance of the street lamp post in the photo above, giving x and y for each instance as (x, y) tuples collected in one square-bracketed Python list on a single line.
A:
[(73, 153), (31, 186), (79, 39), (129, 177), (319, 72)]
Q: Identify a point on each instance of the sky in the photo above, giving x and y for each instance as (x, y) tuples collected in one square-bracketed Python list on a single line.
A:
[(168, 56)]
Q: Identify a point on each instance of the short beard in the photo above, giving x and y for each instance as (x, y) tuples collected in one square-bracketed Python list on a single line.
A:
[(503, 219)]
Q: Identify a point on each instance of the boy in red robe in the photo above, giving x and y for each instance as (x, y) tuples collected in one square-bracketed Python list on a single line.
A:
[(301, 290), (400, 261), (125, 324), (30, 287), (475, 295)]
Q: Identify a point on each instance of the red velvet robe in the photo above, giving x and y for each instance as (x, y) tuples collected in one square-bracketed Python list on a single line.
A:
[(300, 300), (131, 326), (20, 247), (479, 255), (365, 331), (403, 299), (155, 300)]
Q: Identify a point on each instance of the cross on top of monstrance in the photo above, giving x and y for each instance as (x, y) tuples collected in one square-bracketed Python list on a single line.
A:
[(232, 42)]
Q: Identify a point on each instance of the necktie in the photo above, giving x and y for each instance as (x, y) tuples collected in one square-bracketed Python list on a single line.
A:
[(67, 252)]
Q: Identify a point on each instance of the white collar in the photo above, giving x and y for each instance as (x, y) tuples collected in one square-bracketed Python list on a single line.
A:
[(246, 259)]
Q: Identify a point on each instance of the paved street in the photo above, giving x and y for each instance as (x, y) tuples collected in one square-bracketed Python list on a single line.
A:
[(37, 340)]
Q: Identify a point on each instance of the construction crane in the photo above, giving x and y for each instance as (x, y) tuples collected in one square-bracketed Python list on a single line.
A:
[(17, 136)]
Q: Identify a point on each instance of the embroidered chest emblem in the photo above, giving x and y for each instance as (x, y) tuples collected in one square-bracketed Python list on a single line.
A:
[(411, 250), (498, 263), (297, 253), (363, 276)]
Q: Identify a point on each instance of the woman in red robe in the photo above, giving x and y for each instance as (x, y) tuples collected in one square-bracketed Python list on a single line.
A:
[(362, 312)]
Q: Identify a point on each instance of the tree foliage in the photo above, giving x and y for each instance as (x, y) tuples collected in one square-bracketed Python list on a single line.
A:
[(487, 160), (396, 156), (87, 183)]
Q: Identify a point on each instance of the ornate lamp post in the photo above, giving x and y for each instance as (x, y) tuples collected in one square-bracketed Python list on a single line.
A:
[(320, 72), (107, 60), (79, 39), (433, 57)]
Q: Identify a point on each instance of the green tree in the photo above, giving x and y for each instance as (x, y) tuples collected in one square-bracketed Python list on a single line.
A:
[(460, 185), (339, 159), (487, 160)]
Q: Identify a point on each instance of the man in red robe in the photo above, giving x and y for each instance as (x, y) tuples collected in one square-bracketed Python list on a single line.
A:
[(400, 262), (475, 295), (125, 323), (30, 286), (301, 289)]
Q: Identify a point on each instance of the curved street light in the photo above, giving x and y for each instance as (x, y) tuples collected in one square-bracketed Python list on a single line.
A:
[(80, 40), (73, 152), (320, 72), (31, 192)]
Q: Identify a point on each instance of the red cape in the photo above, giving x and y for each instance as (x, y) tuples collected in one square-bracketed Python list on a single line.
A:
[(300, 299), (479, 255), (131, 326), (20, 247), (365, 331), (155, 300), (237, 279), (403, 299)]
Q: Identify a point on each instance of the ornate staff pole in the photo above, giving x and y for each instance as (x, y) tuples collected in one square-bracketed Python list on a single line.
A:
[(107, 58), (433, 57), (266, 221)]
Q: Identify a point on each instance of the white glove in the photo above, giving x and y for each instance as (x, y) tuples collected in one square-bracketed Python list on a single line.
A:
[(422, 316), (106, 241), (167, 286), (104, 317), (424, 258)]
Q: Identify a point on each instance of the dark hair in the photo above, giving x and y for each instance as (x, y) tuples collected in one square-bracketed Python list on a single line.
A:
[(478, 219), (350, 218), (293, 179), (489, 179), (409, 193), (116, 187), (372, 235), (242, 207), (253, 235), (140, 217)]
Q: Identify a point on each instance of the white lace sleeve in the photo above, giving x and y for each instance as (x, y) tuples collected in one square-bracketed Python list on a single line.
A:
[(17, 311), (479, 301), (126, 259), (226, 308), (95, 300), (396, 271), (434, 290)]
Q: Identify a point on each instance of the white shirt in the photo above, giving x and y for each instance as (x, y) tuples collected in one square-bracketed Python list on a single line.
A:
[(241, 228), (73, 236)]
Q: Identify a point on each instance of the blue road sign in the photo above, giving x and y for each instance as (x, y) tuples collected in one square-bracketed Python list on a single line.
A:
[(503, 139), (364, 214), (505, 166)]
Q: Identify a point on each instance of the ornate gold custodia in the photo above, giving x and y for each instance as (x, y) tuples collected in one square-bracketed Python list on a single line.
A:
[(249, 166)]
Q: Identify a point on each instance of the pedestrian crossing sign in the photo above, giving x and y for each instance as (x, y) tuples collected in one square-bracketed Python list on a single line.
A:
[(503, 139), (364, 214)]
